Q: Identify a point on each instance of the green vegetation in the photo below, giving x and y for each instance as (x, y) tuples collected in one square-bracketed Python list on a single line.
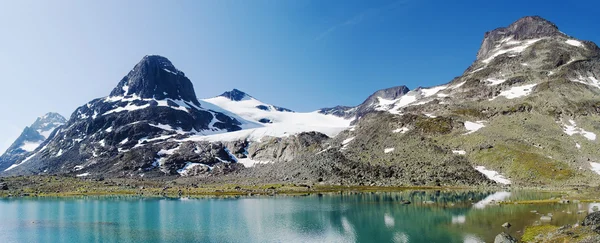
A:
[(438, 125), (524, 165), (532, 231)]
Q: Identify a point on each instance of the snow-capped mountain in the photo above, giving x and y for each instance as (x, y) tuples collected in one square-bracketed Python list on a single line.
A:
[(155, 102), (31, 138), (153, 112), (526, 111)]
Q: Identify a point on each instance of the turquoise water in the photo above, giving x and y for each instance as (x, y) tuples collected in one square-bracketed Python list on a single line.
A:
[(365, 217)]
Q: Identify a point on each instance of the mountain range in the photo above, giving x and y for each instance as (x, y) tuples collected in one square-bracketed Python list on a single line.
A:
[(526, 112)]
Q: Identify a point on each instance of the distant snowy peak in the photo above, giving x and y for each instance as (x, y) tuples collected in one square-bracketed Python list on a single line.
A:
[(31, 138), (236, 95), (47, 123), (372, 103)]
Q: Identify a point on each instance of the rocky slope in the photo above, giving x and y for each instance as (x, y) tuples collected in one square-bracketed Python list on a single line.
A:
[(31, 138)]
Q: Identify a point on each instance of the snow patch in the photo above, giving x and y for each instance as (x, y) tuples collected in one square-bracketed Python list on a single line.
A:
[(516, 92), (591, 81), (346, 142), (512, 47), (572, 129), (460, 152), (574, 43), (473, 126), (494, 81), (30, 146), (493, 175), (188, 166), (595, 167), (388, 150), (401, 130), (247, 162), (84, 174)]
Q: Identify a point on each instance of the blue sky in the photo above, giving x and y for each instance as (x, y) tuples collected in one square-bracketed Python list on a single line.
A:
[(303, 55)]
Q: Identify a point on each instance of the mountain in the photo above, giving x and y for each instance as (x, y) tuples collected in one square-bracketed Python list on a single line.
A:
[(525, 112), (152, 124), (31, 138), (151, 104)]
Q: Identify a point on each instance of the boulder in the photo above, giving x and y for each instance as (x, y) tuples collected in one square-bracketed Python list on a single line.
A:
[(504, 238), (3, 186), (592, 219)]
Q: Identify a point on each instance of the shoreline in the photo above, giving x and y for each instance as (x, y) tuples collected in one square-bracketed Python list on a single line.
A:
[(64, 186)]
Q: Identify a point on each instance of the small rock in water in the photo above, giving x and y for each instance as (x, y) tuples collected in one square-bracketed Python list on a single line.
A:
[(429, 202), (405, 202), (504, 238), (546, 218), (580, 211), (506, 225), (533, 211)]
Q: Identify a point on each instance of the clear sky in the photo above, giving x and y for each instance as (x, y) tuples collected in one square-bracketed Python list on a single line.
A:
[(299, 54)]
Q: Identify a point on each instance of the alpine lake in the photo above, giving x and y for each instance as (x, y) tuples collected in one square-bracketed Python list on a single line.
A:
[(407, 216)]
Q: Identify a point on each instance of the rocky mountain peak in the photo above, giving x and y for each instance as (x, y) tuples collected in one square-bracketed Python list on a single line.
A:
[(526, 28), (155, 77), (235, 95)]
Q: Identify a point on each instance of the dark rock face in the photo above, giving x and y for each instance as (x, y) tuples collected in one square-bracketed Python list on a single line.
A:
[(530, 27), (235, 95), (155, 77), (37, 133)]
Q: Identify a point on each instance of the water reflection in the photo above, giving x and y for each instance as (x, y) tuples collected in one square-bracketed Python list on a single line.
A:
[(492, 199), (433, 216)]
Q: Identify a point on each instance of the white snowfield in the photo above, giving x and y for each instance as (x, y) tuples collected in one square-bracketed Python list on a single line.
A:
[(572, 129), (516, 92), (493, 175), (510, 46), (284, 123), (473, 126), (389, 150)]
